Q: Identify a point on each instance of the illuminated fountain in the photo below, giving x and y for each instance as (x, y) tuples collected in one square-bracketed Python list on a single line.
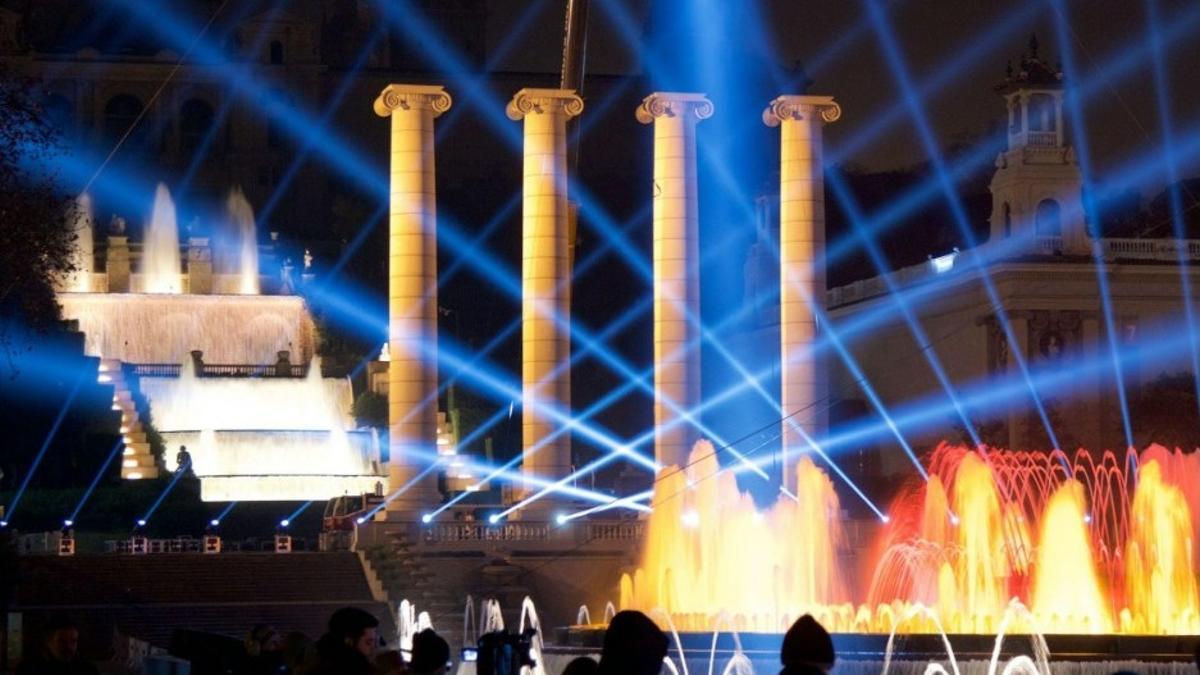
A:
[(241, 217), (264, 438), (162, 270), (1097, 550)]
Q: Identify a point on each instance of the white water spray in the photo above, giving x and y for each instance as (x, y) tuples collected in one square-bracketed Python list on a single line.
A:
[(161, 265), (241, 216)]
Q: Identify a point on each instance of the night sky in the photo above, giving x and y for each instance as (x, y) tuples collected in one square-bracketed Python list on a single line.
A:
[(841, 49)]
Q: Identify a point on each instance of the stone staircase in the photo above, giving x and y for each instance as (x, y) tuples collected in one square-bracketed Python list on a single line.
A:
[(405, 576), (137, 461)]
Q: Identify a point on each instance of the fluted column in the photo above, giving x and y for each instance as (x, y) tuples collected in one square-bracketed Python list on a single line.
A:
[(801, 265), (412, 293), (676, 268), (545, 279)]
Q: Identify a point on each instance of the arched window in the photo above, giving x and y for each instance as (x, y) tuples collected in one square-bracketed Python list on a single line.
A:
[(195, 121), (1007, 220), (1041, 111), (276, 52), (1048, 219), (119, 114)]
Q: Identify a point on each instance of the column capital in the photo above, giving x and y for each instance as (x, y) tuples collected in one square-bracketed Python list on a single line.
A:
[(797, 107), (407, 96), (671, 104), (531, 100)]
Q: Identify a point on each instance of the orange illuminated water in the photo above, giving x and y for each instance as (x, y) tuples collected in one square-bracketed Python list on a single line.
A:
[(1101, 549)]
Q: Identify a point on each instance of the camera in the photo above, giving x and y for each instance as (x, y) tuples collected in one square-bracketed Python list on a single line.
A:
[(504, 653)]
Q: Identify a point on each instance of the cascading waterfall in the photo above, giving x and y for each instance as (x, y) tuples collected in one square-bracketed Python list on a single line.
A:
[(259, 438), (162, 268), (241, 216)]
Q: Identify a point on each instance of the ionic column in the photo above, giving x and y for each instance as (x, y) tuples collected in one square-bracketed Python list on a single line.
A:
[(545, 279), (801, 265), (676, 269), (412, 293)]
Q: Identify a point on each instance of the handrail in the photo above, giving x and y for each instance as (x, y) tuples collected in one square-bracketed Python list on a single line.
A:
[(296, 370)]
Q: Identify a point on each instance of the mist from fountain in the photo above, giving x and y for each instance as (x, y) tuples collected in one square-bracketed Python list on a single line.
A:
[(162, 268), (241, 217)]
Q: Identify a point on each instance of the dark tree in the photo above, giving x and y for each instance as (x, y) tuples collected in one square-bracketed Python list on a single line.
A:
[(36, 214)]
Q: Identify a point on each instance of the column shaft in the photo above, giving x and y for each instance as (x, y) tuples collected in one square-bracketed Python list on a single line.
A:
[(545, 281), (676, 270), (412, 295), (803, 380)]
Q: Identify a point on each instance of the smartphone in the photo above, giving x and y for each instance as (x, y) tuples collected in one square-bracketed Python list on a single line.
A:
[(470, 655)]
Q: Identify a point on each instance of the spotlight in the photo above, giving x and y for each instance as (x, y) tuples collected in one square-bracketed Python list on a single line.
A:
[(691, 519), (68, 522), (427, 518), (493, 519), (141, 522), (3, 523), (885, 519), (954, 520), (360, 521), (561, 519), (1087, 518), (214, 522), (285, 522)]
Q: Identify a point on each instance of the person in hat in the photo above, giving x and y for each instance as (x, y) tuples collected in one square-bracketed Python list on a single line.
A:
[(581, 665), (807, 649), (633, 645), (430, 654)]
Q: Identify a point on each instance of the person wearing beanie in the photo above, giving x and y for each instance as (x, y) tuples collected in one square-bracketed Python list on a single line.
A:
[(581, 665), (633, 645), (430, 654), (807, 649)]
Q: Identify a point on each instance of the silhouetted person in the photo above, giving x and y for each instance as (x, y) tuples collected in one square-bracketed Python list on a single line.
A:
[(183, 461), (633, 645), (807, 648), (349, 646), (264, 652), (58, 653), (430, 654), (583, 665)]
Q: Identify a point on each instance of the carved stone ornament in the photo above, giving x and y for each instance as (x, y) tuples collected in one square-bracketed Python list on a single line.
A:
[(798, 107), (412, 96), (671, 104), (540, 101)]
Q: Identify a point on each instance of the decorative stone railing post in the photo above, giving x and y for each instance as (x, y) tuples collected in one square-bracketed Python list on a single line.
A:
[(676, 269), (116, 264), (199, 266), (801, 265), (412, 295), (545, 279)]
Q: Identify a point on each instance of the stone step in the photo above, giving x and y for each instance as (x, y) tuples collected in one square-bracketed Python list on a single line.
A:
[(139, 473), (138, 461)]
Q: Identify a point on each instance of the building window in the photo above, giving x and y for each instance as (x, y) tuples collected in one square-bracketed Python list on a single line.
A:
[(195, 122), (119, 115), (276, 52), (1041, 112), (1007, 220), (1049, 219)]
